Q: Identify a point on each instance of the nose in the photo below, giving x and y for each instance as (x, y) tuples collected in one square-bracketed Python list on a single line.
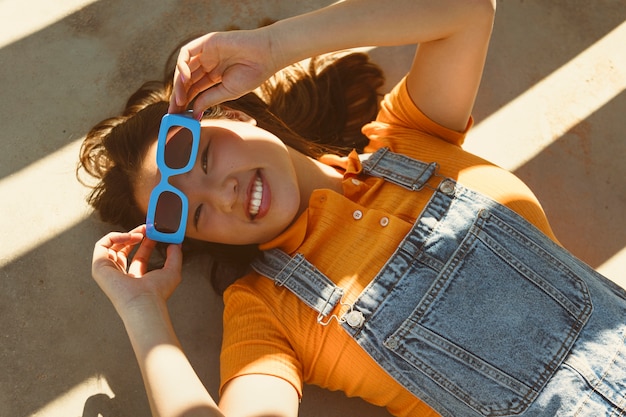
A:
[(220, 194)]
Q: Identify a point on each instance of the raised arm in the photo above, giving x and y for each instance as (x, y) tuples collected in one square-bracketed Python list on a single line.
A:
[(443, 80)]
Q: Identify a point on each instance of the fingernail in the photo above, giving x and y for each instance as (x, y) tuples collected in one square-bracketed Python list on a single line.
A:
[(182, 78), (198, 116)]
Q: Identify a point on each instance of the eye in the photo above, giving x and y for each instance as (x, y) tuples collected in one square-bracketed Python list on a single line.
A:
[(196, 216)]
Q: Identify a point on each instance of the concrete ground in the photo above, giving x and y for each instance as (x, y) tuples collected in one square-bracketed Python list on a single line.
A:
[(552, 109)]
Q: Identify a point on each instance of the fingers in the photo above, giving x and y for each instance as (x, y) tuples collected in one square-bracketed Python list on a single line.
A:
[(115, 246), (183, 92), (116, 241), (189, 69), (182, 74), (178, 99), (139, 264), (218, 67), (122, 238), (174, 260)]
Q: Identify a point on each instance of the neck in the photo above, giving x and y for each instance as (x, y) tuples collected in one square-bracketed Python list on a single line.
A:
[(314, 175)]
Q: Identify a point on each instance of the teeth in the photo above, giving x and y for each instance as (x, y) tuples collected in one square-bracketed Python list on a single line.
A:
[(257, 195)]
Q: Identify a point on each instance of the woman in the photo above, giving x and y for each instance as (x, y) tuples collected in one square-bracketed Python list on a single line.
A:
[(402, 282)]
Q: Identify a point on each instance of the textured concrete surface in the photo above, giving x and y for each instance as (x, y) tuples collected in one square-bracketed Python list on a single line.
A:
[(551, 109)]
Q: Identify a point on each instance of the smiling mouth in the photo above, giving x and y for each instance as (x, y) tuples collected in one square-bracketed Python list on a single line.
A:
[(256, 197)]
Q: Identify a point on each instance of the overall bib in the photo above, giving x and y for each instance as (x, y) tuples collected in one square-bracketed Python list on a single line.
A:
[(478, 313)]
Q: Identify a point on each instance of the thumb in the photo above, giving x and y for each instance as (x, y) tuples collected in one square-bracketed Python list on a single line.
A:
[(174, 258)]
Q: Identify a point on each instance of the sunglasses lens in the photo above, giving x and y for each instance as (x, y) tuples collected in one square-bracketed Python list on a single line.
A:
[(168, 214), (178, 149)]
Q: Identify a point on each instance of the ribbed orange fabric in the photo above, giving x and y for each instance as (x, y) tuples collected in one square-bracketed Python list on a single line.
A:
[(267, 330)]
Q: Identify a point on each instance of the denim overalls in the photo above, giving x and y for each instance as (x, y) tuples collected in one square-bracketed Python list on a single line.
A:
[(478, 313)]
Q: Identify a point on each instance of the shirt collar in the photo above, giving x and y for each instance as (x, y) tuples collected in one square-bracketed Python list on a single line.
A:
[(294, 235)]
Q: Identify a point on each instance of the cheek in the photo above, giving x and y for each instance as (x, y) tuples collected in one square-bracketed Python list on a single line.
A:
[(227, 152)]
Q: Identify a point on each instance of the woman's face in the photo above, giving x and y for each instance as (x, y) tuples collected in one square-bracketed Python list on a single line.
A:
[(242, 188)]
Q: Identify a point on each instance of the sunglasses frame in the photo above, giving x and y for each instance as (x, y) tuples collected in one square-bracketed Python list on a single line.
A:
[(167, 122)]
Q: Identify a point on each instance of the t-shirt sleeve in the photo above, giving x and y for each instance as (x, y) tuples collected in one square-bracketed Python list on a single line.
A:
[(254, 341), (398, 112)]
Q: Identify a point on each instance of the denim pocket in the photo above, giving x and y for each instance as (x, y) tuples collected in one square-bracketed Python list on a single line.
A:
[(498, 321)]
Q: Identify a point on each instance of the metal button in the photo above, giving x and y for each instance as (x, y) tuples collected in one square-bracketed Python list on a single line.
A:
[(355, 181), (384, 221), (355, 319), (392, 343), (358, 214), (447, 187)]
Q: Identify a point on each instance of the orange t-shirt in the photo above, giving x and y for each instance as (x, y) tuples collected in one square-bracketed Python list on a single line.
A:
[(268, 330)]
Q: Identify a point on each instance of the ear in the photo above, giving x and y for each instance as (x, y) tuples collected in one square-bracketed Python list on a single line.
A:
[(239, 116)]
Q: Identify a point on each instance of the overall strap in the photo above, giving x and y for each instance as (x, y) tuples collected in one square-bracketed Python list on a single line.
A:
[(399, 169), (302, 278)]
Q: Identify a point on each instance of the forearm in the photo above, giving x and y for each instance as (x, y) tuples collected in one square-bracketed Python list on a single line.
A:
[(172, 386), (355, 23)]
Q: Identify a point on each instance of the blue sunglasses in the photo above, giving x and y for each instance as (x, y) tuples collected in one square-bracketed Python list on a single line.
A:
[(166, 220)]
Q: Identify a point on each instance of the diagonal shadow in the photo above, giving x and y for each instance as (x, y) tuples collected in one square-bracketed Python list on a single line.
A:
[(58, 327), (531, 39), (580, 181), (61, 80)]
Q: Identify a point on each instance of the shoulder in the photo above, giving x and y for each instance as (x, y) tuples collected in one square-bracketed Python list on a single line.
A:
[(400, 119), (254, 339), (252, 288)]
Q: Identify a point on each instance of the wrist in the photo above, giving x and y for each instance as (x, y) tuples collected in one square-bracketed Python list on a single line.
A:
[(279, 57), (333, 28), (147, 323), (293, 39), (140, 307)]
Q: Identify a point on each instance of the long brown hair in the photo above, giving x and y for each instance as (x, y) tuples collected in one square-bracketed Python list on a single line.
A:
[(315, 109)]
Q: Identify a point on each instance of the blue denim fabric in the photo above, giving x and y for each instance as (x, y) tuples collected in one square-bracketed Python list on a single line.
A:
[(477, 312)]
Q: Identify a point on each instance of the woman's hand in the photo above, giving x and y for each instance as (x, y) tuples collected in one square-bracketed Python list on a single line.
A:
[(443, 79), (221, 66), (172, 385), (127, 282)]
